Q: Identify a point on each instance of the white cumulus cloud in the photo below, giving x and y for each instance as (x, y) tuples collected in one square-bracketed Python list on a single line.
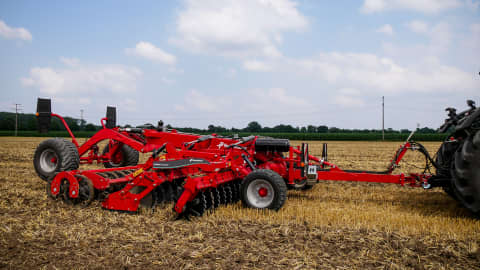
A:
[(237, 28), (14, 33), (472, 5), (349, 97), (81, 79), (386, 29), (71, 62), (372, 73), (255, 101), (418, 26), (474, 39), (255, 65), (200, 102), (423, 6), (273, 100), (148, 51)]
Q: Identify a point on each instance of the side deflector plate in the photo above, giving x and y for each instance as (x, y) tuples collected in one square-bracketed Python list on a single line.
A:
[(173, 164)]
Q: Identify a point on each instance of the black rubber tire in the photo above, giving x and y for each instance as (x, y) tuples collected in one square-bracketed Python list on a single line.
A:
[(449, 191), (276, 182), (444, 158), (466, 173), (130, 157), (65, 152)]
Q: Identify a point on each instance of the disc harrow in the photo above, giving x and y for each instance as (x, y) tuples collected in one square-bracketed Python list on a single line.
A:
[(206, 200), (201, 173)]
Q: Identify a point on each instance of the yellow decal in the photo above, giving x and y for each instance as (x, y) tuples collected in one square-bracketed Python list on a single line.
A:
[(137, 172)]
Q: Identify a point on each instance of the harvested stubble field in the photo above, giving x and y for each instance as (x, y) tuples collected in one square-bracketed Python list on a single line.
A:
[(336, 225)]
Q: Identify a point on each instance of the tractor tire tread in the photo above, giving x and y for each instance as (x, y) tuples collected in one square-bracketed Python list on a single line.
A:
[(466, 174)]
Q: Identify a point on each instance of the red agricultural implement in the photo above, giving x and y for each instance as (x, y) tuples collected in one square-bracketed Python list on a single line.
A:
[(58, 154), (199, 172)]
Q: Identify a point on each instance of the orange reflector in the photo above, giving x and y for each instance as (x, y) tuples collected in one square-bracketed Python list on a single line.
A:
[(37, 114), (302, 164)]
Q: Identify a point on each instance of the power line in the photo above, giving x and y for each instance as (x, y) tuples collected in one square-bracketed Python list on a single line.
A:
[(17, 105), (81, 119), (383, 118)]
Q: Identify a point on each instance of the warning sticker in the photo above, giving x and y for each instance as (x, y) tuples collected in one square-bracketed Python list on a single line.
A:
[(137, 172)]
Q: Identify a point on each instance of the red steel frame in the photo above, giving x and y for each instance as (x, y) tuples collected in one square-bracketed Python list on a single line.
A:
[(225, 164), (333, 172), (103, 134), (116, 136)]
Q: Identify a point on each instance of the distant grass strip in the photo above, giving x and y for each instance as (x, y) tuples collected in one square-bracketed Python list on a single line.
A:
[(291, 136)]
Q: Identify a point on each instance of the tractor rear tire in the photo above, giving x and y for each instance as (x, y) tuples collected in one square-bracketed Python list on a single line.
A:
[(264, 189), (444, 159), (55, 155), (129, 157), (466, 174)]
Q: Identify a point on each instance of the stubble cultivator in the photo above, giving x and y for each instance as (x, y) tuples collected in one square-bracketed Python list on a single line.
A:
[(198, 173)]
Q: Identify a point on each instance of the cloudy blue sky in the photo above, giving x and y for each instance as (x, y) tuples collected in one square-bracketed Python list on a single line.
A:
[(194, 63)]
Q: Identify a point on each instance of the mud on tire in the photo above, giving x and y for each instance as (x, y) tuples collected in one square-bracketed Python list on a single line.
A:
[(466, 173), (55, 155), (264, 189), (127, 157)]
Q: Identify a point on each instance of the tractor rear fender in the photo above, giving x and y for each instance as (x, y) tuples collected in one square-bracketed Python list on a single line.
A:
[(469, 120)]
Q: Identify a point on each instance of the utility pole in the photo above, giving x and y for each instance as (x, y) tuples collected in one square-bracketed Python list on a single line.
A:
[(16, 118), (383, 118), (81, 119)]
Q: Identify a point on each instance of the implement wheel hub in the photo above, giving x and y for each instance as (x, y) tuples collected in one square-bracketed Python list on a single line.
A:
[(263, 192)]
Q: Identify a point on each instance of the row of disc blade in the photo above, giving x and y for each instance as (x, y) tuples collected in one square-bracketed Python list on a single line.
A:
[(211, 198)]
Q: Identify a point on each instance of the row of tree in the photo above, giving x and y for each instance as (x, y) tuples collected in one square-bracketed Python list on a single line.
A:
[(255, 127), (29, 122)]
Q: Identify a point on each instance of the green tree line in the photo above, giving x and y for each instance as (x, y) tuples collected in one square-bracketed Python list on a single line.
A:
[(28, 122), (27, 126), (255, 127)]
